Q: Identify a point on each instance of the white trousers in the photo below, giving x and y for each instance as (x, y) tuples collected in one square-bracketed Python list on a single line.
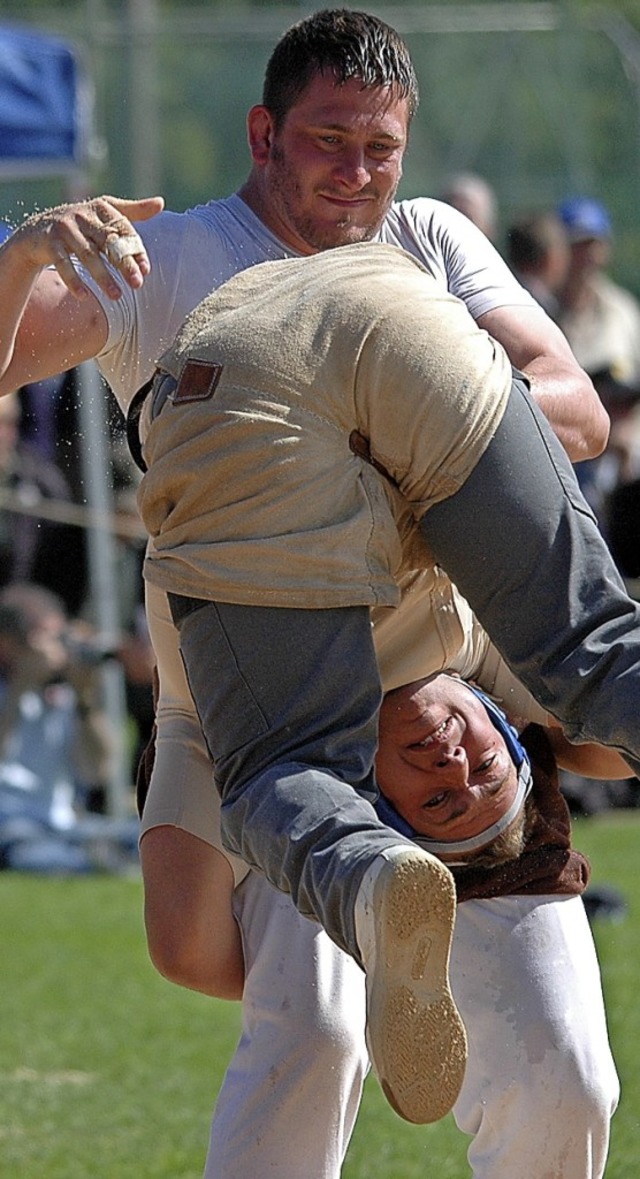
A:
[(540, 1086)]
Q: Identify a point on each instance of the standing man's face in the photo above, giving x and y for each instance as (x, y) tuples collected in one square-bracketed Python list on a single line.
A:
[(329, 175)]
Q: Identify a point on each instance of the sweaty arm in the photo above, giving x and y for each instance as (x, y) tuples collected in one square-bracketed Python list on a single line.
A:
[(49, 320), (478, 660), (563, 391), (588, 760)]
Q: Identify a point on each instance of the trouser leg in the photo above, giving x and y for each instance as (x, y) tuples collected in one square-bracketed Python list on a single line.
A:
[(290, 1096), (540, 1082), (523, 547), (288, 701)]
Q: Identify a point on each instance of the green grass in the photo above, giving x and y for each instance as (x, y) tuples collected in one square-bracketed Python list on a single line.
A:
[(108, 1072), (613, 845)]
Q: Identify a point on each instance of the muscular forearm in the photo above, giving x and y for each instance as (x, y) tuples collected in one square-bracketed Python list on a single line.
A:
[(536, 346), (589, 760), (570, 403), (18, 276), (44, 328), (49, 320)]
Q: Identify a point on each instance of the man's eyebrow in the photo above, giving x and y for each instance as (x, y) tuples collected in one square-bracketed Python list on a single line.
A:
[(345, 128)]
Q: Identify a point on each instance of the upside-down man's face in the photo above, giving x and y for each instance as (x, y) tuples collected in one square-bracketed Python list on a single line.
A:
[(441, 761)]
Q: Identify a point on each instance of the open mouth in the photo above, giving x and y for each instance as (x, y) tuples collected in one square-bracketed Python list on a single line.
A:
[(439, 734)]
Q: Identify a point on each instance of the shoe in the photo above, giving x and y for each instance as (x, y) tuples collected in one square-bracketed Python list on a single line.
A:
[(405, 914)]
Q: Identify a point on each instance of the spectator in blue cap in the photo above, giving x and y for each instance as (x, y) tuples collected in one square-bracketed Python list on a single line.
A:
[(585, 219), (601, 320), (602, 323)]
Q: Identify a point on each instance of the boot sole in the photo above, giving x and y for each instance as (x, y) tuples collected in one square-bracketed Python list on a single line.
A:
[(416, 1038)]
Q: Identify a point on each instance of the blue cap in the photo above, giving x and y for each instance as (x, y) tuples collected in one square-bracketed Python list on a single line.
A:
[(5, 231), (584, 219)]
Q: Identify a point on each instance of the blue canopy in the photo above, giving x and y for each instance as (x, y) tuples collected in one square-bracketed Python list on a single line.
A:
[(44, 105)]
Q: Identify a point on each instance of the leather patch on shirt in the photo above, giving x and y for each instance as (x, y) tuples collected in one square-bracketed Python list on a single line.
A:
[(198, 381)]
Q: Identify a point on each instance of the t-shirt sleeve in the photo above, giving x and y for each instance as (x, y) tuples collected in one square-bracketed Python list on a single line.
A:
[(458, 254), (142, 323)]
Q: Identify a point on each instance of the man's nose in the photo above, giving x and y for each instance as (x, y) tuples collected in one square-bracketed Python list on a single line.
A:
[(452, 766), (351, 168)]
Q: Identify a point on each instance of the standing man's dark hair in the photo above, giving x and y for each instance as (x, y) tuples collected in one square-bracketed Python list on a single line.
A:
[(343, 43)]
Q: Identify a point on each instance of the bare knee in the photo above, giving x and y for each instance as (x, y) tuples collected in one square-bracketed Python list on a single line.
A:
[(192, 936)]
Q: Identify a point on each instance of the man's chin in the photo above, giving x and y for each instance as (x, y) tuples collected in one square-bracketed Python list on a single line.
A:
[(330, 237)]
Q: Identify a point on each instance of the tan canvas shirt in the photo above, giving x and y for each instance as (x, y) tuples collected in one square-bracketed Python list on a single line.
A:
[(253, 494)]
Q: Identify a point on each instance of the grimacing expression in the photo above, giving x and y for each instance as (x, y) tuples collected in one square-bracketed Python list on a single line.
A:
[(441, 761), (335, 164)]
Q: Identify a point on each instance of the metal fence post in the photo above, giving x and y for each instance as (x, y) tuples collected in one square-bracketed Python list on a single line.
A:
[(103, 583)]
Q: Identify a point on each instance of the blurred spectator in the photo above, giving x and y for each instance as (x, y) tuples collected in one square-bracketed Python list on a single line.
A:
[(34, 547), (474, 197), (49, 424), (538, 254), (55, 742), (600, 319), (602, 323), (622, 525), (49, 421), (54, 739)]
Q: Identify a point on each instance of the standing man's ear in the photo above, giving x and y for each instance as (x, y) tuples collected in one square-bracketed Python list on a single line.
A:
[(260, 134)]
